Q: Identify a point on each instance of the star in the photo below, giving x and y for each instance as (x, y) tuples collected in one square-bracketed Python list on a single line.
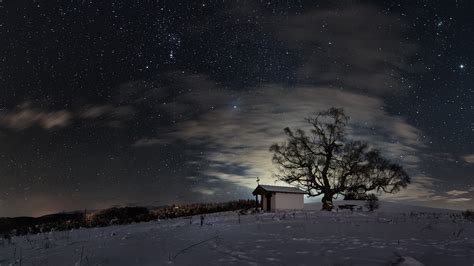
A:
[(461, 66)]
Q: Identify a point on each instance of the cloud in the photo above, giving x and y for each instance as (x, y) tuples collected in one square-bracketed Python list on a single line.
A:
[(107, 114), (408, 132), (351, 57), (420, 189), (356, 46), (456, 192), (469, 158), (150, 142), (239, 137), (108, 110), (203, 190), (25, 117), (456, 200)]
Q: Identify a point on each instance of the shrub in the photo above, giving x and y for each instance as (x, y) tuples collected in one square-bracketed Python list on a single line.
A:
[(355, 196), (372, 202), (122, 215), (468, 215)]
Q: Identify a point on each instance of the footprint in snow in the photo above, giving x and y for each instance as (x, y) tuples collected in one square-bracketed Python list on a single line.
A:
[(406, 261), (409, 261), (302, 252), (272, 259)]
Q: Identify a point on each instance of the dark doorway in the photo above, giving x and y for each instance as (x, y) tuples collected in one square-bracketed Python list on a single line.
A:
[(269, 201)]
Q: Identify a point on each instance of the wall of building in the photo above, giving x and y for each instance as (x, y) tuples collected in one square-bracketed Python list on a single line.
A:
[(272, 202), (264, 203), (287, 201)]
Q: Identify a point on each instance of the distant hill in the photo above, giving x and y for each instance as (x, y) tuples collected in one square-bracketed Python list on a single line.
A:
[(24, 224)]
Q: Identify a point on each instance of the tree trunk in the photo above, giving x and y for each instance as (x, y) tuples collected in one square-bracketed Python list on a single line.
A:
[(327, 202)]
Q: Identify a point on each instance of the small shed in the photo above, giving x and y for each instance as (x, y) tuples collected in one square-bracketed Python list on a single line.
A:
[(274, 198)]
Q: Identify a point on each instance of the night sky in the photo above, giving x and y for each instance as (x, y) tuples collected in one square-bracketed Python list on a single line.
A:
[(107, 103)]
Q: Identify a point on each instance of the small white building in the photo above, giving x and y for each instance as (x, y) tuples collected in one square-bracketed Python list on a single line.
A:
[(274, 198)]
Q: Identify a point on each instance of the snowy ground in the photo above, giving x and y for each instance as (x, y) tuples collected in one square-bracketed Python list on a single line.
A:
[(390, 236)]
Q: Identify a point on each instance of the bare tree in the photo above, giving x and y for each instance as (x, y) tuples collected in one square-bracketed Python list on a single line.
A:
[(326, 163)]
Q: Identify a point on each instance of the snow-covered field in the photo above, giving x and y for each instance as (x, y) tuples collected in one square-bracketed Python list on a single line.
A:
[(390, 236)]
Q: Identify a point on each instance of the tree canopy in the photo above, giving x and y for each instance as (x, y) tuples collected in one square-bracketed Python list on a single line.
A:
[(325, 162)]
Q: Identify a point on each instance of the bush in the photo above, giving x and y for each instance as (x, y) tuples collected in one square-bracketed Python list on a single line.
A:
[(355, 196), (122, 215), (202, 208), (468, 215), (372, 202)]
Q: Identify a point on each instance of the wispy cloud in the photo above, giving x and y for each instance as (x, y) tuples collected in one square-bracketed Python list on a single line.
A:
[(108, 110), (351, 57), (423, 189), (107, 114), (469, 158), (420, 189), (203, 190), (457, 192), (145, 142), (25, 117), (356, 47), (455, 200), (238, 135)]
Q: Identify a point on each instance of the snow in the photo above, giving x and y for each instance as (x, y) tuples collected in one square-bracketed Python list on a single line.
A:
[(394, 235)]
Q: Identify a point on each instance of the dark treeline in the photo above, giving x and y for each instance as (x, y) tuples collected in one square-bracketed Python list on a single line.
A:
[(111, 216)]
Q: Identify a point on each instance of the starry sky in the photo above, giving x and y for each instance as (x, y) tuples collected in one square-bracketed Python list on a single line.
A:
[(109, 103)]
